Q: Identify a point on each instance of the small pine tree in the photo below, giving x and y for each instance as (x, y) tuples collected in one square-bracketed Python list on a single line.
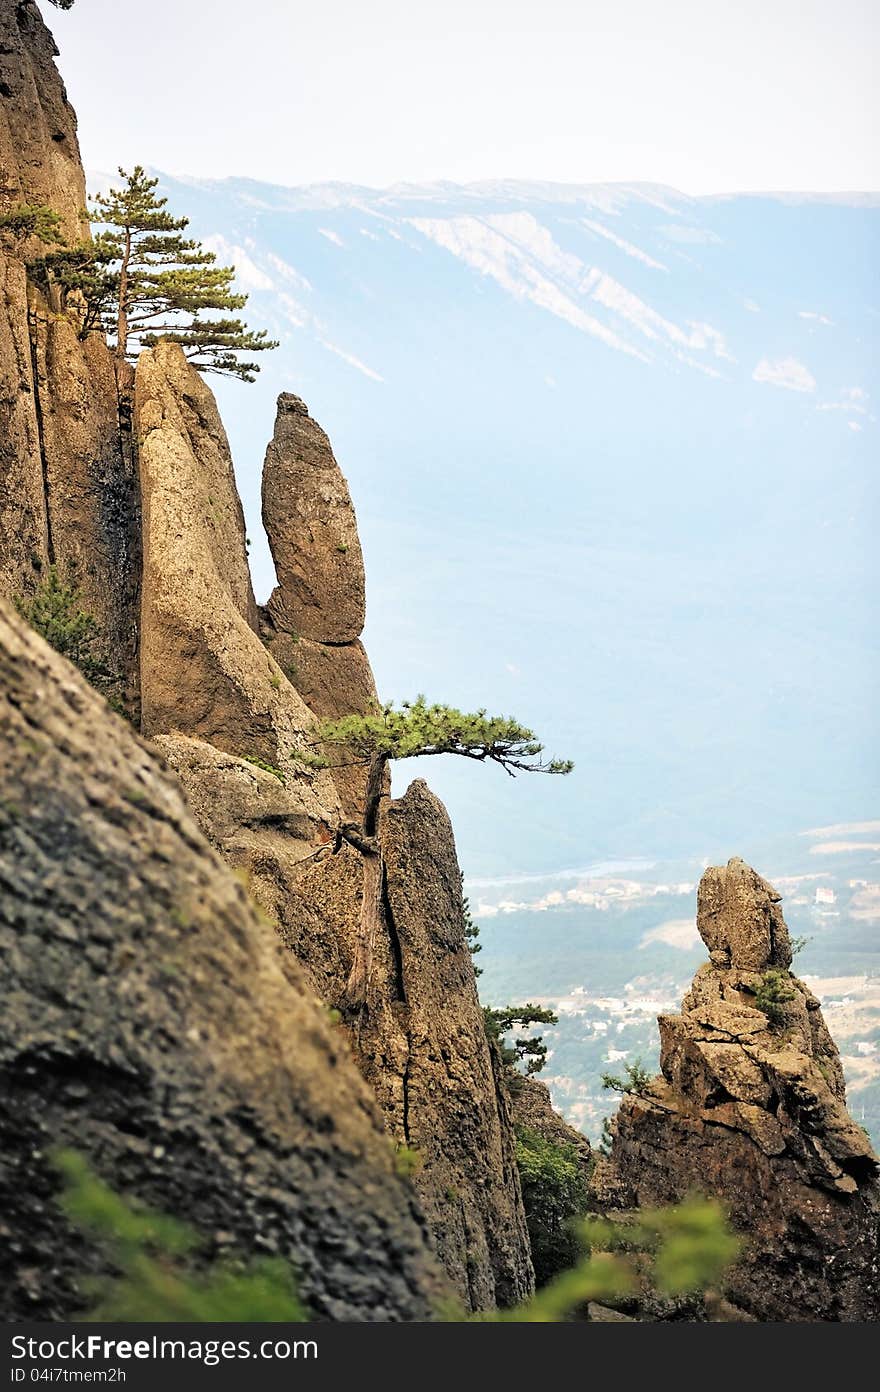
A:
[(31, 220), (634, 1083), (144, 281), (83, 276), (471, 929), (140, 280), (415, 730), (773, 994), (56, 612), (530, 1051)]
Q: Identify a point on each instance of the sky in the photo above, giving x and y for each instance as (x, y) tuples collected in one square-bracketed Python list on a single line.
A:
[(704, 95)]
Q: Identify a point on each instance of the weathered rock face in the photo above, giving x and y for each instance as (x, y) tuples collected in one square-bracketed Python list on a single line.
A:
[(204, 670), (316, 612), (312, 532), (533, 1108), (39, 151), (214, 694), (752, 1109), (740, 918), (68, 493), (421, 1045), (150, 1022)]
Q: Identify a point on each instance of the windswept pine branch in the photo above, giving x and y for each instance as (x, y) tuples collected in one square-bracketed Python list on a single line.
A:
[(411, 731)]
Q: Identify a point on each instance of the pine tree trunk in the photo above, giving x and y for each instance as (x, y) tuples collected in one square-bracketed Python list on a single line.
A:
[(122, 318), (372, 912)]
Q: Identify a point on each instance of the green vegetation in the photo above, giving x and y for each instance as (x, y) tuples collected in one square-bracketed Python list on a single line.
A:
[(31, 220), (161, 1273), (635, 1081), (155, 1257), (554, 1189), (414, 730), (774, 991), (141, 281), (267, 768), (532, 1051), (407, 1160), (55, 611), (675, 1252), (471, 929)]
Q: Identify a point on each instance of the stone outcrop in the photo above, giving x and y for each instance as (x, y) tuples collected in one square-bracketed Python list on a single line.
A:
[(751, 1108), (315, 614), (312, 531), (68, 492), (421, 1045), (39, 151), (152, 1022), (205, 672), (534, 1110)]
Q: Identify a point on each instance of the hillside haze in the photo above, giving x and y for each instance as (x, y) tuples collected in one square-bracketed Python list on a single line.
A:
[(612, 450)]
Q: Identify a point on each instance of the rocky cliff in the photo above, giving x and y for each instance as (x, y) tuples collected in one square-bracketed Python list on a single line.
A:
[(124, 482), (68, 493), (216, 698), (751, 1108), (151, 1020)]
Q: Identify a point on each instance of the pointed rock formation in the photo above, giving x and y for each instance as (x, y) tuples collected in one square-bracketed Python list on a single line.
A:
[(150, 1022), (205, 673), (315, 614), (751, 1108), (311, 526), (421, 1045)]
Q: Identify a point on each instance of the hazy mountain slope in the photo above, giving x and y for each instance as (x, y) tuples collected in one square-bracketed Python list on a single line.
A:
[(612, 449)]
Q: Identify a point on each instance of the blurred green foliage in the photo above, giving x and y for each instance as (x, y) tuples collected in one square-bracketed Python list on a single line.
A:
[(154, 1256)]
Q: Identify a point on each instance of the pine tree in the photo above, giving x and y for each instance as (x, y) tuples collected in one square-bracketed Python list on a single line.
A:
[(415, 730), (165, 285)]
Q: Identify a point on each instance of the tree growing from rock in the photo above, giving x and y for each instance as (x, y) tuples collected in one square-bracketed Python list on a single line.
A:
[(141, 280), (527, 1050), (414, 730), (56, 612), (169, 286)]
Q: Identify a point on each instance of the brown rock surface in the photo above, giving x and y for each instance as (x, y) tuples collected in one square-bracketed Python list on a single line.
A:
[(312, 531), (333, 680), (752, 1109), (316, 611), (533, 1108), (204, 670), (39, 151), (149, 1022), (421, 1045), (68, 492), (739, 918)]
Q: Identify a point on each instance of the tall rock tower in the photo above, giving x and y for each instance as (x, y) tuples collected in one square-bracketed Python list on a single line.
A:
[(751, 1108)]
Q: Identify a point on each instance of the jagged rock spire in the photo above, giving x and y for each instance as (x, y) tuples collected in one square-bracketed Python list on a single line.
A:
[(740, 919), (751, 1107)]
